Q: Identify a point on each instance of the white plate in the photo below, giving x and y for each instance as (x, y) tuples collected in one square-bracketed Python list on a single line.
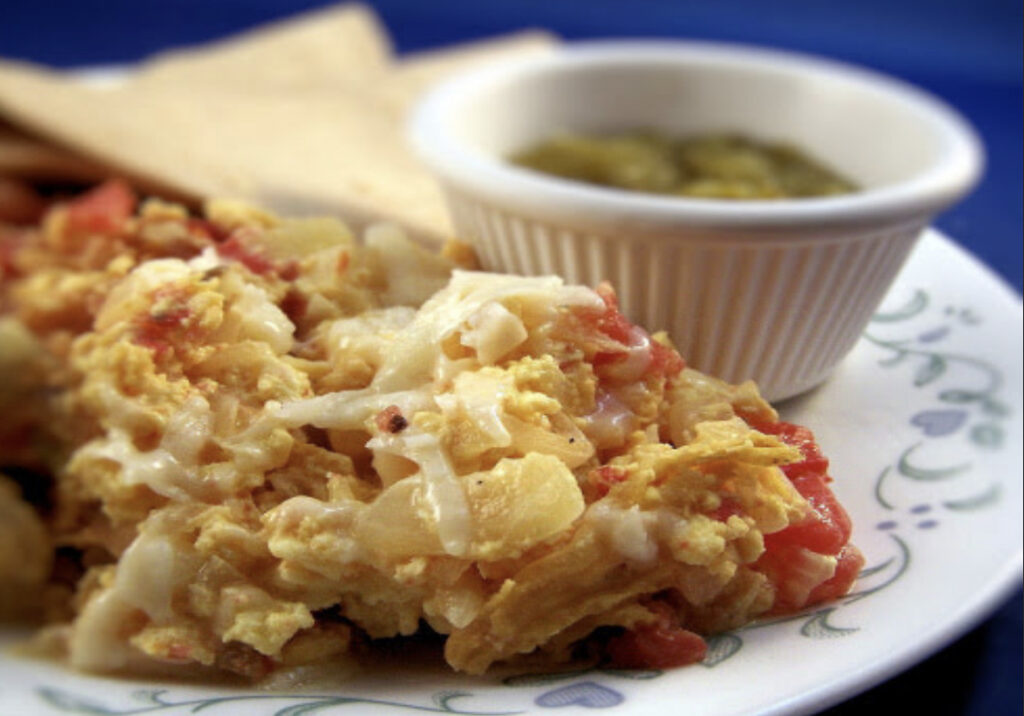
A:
[(923, 425)]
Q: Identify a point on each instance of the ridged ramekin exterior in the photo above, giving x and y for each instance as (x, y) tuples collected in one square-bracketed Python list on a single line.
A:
[(783, 313)]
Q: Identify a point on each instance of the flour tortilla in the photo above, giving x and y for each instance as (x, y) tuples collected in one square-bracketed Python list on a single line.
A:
[(321, 48), (215, 124), (340, 152), (33, 159), (82, 121)]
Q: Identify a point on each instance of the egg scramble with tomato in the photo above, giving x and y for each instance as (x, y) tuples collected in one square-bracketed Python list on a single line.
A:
[(249, 444)]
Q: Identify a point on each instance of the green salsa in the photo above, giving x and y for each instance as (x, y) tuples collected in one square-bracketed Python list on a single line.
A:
[(715, 166)]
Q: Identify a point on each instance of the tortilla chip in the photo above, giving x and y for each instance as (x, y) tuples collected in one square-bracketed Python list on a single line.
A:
[(33, 159), (88, 123), (319, 151), (303, 117), (319, 48)]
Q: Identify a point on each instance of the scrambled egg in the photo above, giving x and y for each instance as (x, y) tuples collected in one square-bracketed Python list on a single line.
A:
[(270, 442)]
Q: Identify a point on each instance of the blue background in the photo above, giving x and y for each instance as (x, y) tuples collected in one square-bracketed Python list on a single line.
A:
[(966, 51)]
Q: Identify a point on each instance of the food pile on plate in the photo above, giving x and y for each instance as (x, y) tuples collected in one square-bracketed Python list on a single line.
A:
[(250, 444)]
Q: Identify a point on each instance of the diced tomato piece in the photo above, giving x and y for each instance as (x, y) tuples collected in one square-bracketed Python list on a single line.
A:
[(234, 248), (11, 242), (612, 323), (727, 509), (289, 271), (826, 530), (294, 304), (103, 209), (851, 561), (660, 645), (795, 572), (154, 332), (158, 329), (253, 258), (663, 360), (602, 478), (803, 439), (784, 567), (205, 229)]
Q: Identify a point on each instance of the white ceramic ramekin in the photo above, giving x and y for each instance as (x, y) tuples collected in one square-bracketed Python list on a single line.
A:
[(777, 291)]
